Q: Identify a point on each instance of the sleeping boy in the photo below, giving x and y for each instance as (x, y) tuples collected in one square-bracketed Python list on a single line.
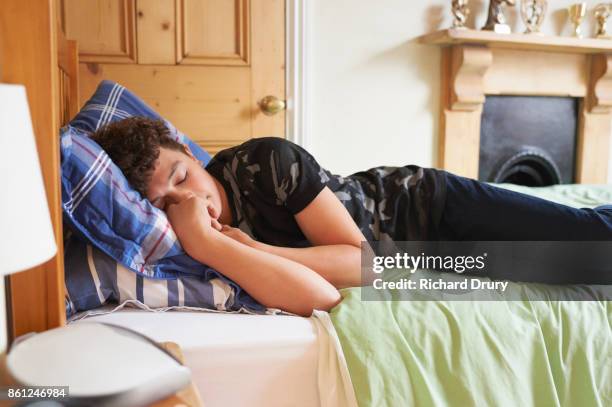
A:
[(268, 216)]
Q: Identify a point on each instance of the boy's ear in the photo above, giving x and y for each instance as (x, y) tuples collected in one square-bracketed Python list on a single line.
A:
[(187, 151)]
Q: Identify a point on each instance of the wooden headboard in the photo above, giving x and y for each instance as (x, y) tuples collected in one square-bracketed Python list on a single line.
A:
[(68, 64), (37, 55)]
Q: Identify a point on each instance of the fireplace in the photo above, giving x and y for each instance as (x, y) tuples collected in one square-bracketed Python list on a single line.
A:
[(526, 109), (528, 140)]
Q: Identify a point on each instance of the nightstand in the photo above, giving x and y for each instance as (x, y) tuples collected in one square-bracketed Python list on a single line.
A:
[(189, 396)]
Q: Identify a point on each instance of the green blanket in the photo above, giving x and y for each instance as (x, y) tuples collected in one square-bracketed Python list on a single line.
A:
[(469, 353)]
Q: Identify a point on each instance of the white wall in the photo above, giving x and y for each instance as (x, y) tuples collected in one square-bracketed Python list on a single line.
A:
[(374, 92)]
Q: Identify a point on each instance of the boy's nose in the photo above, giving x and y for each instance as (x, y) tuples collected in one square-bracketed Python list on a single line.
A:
[(177, 196)]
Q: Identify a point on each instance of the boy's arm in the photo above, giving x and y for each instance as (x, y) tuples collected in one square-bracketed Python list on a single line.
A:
[(336, 240), (272, 280), (339, 264)]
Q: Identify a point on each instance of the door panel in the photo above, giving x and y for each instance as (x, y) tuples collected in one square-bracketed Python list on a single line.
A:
[(213, 32), (204, 65), (156, 31), (105, 29)]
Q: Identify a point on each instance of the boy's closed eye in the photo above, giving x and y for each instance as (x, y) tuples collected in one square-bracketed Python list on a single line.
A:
[(162, 202)]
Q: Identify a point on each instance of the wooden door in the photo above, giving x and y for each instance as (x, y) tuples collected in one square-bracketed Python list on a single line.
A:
[(203, 64)]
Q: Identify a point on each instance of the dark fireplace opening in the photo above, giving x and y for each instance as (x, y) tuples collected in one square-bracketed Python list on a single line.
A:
[(528, 140), (530, 166)]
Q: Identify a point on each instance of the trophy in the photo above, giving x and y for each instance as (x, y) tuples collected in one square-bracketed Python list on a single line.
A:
[(532, 13), (602, 13), (576, 13), (460, 13), (496, 21)]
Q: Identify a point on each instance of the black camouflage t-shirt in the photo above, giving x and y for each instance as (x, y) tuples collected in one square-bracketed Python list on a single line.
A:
[(269, 180)]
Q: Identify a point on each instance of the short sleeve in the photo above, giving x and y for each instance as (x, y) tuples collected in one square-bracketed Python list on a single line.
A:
[(285, 172)]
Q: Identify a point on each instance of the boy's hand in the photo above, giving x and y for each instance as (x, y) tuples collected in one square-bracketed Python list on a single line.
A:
[(191, 222), (238, 235)]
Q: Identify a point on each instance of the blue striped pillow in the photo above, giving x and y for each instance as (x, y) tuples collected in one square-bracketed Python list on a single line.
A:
[(103, 210), (94, 278)]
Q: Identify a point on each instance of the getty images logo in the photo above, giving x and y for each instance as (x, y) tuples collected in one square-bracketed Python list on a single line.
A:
[(458, 264)]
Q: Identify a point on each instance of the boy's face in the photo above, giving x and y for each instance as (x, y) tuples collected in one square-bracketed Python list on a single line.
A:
[(177, 176)]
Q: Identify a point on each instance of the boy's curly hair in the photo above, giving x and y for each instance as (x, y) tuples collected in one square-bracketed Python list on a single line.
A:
[(133, 144)]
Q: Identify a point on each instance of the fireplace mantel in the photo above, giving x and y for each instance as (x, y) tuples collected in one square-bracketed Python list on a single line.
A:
[(534, 42), (478, 63)]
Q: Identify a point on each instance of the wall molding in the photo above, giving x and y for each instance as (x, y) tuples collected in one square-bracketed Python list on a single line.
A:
[(297, 79)]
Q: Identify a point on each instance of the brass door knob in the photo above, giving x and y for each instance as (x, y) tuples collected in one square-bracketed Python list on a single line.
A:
[(270, 105)]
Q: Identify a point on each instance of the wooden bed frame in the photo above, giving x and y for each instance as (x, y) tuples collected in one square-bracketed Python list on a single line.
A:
[(68, 76), (38, 55)]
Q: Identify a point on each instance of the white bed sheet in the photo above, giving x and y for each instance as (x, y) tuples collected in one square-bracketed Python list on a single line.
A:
[(249, 360)]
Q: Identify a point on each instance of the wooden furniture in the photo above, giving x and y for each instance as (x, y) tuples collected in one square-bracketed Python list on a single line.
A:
[(189, 396), (68, 78), (478, 63), (203, 64), (30, 54)]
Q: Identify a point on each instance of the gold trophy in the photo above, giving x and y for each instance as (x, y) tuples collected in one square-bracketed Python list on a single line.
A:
[(532, 13), (576, 15), (496, 21), (602, 13), (460, 13)]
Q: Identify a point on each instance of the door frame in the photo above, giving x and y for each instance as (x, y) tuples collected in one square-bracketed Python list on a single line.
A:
[(298, 70)]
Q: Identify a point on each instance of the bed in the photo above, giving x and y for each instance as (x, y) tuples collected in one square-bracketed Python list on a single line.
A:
[(411, 352)]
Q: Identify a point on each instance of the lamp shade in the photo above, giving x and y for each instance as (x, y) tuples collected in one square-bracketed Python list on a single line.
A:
[(26, 234)]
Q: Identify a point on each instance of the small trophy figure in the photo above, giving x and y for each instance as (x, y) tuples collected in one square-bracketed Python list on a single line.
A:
[(576, 14), (495, 20), (602, 13), (532, 13), (460, 13)]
